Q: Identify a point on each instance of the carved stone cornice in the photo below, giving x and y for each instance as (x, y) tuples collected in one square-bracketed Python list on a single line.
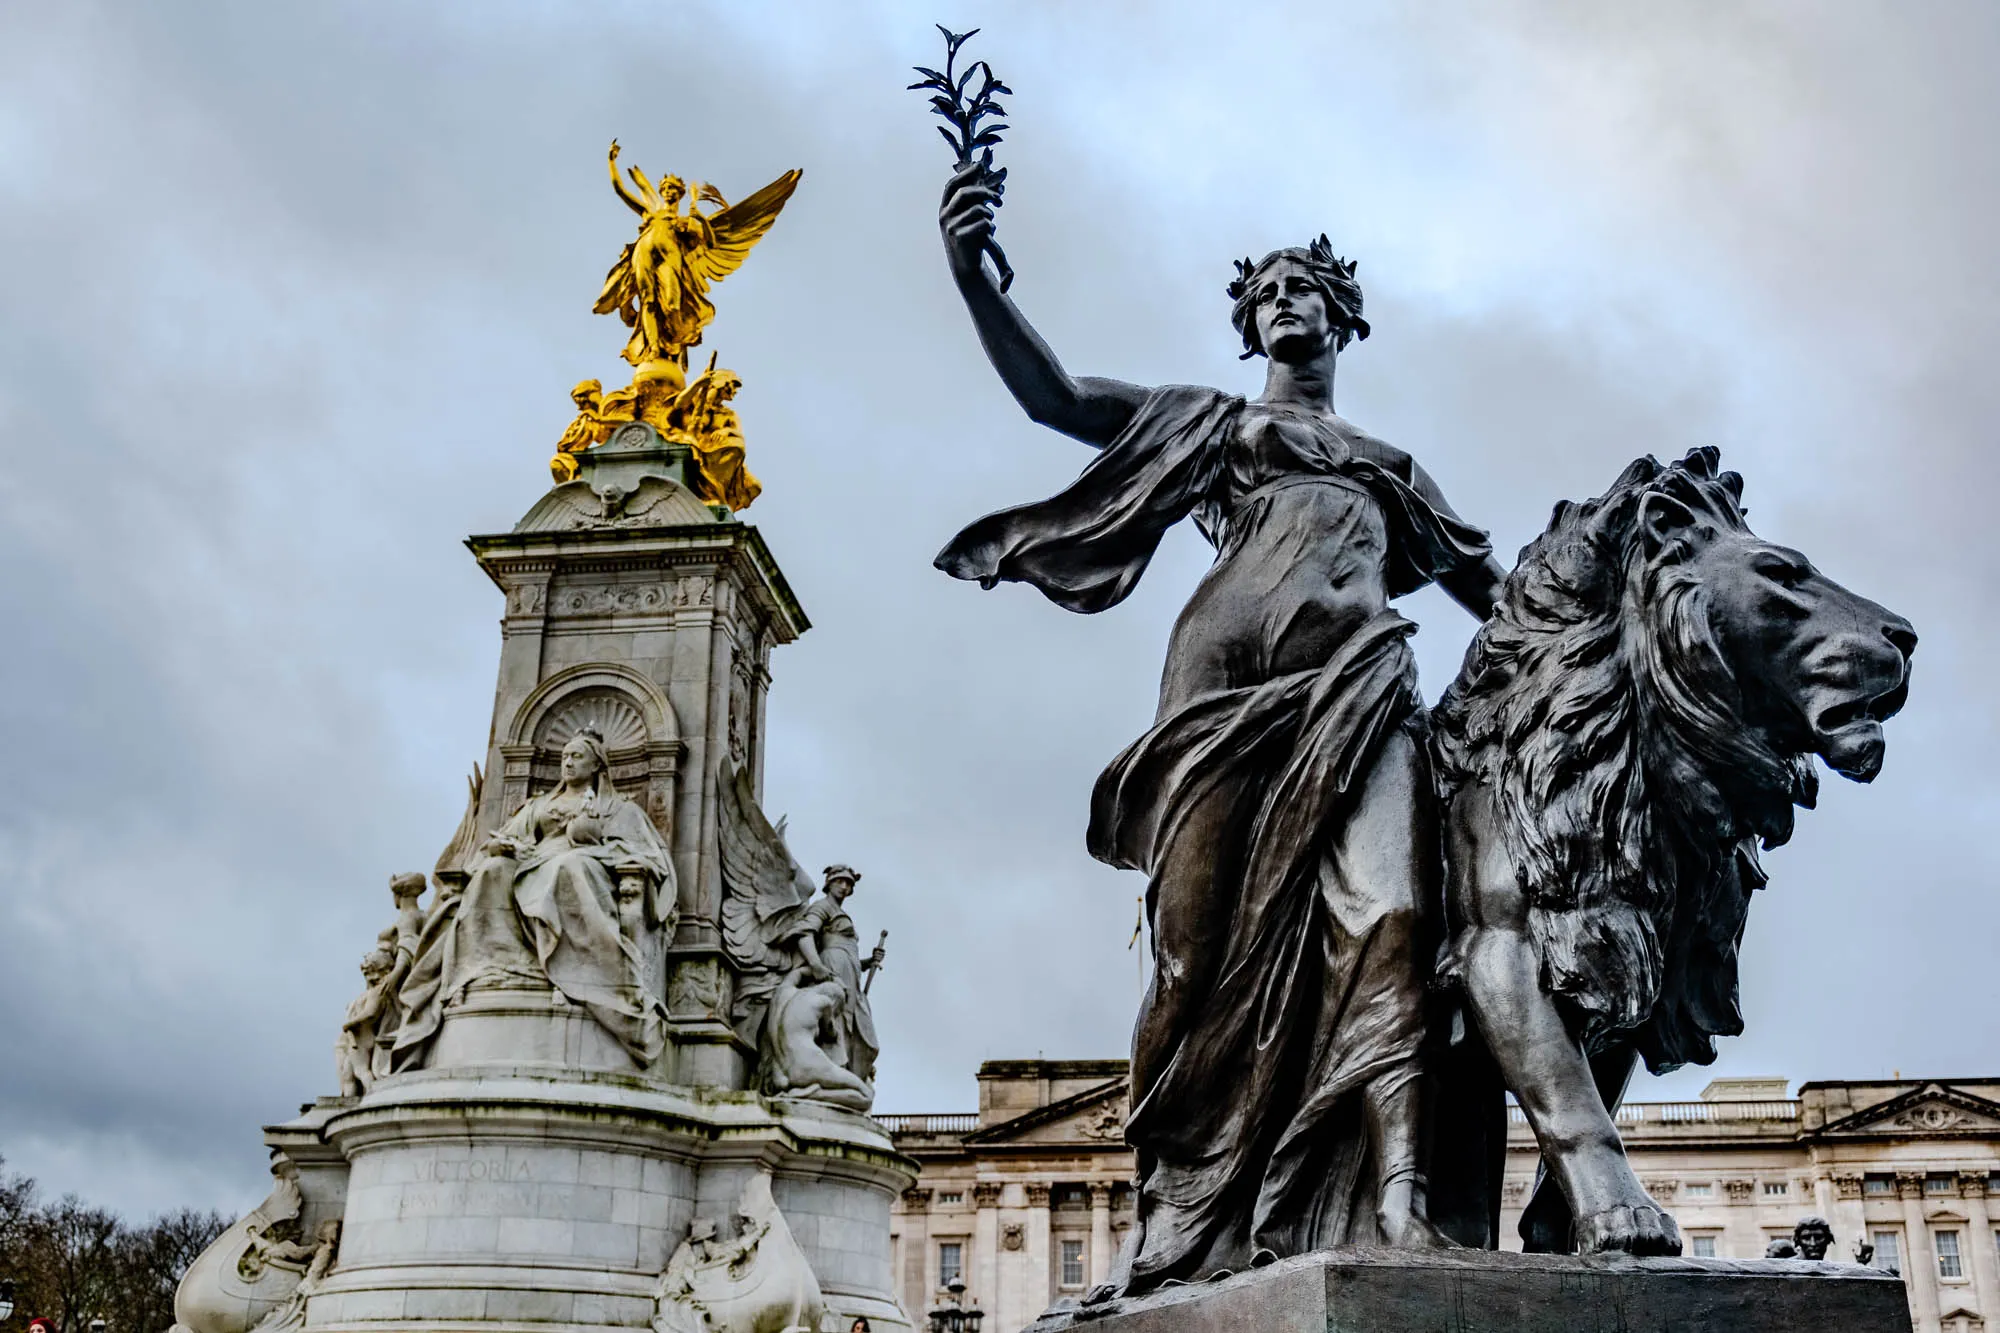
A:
[(1100, 1196), (1971, 1184), (1739, 1190), (1662, 1188), (1848, 1186), (986, 1194), (1910, 1184), (1038, 1194), (916, 1200)]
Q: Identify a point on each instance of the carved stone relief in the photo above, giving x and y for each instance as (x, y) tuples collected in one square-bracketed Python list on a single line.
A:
[(749, 1277), (699, 990)]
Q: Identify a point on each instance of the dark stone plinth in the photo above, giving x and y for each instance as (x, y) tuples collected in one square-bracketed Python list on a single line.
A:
[(1479, 1291)]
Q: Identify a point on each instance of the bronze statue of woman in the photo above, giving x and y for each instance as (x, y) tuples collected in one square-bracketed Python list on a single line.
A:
[(1282, 804)]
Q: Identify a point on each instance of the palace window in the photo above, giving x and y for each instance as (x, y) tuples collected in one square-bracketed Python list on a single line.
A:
[(1699, 1190), (1888, 1251), (951, 1196), (1072, 1263), (1702, 1244), (951, 1262), (1939, 1182), (1776, 1189), (1950, 1266), (1878, 1184)]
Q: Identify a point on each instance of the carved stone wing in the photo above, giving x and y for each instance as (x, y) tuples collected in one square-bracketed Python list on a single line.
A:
[(763, 886), (736, 228)]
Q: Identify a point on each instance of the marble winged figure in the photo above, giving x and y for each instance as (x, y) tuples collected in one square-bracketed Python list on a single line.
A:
[(659, 285), (1640, 708), (802, 999)]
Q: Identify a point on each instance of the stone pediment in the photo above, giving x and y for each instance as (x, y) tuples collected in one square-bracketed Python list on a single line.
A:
[(1092, 1118), (1935, 1108), (651, 501)]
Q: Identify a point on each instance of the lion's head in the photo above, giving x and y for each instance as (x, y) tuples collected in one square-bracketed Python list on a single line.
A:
[(1644, 702)]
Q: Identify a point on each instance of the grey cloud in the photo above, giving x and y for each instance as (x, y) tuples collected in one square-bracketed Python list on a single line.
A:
[(293, 298)]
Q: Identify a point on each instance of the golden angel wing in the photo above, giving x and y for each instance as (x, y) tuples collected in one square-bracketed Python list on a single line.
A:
[(618, 288), (740, 226)]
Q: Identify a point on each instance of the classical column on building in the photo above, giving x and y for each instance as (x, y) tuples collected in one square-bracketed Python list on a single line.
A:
[(1742, 1234), (1040, 1286), (1847, 1214), (1100, 1232), (1979, 1225), (984, 1277), (914, 1279), (1920, 1273)]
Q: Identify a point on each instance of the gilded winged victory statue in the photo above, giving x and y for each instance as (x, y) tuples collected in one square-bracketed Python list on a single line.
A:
[(659, 288)]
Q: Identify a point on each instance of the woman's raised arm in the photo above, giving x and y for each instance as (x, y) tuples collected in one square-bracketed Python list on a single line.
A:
[(1087, 409)]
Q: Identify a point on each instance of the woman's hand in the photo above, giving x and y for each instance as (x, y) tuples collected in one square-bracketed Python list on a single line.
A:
[(500, 845), (965, 217)]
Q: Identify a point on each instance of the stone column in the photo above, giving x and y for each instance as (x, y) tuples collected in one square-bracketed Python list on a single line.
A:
[(1848, 1217), (916, 1252), (1100, 1233), (982, 1276), (1041, 1287), (1979, 1222), (1920, 1275)]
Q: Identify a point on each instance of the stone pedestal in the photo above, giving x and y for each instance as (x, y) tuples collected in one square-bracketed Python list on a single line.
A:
[(521, 1170), (1479, 1291), (517, 1196)]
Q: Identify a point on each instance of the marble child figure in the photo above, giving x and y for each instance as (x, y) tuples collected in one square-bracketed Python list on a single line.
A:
[(541, 908), (1281, 804)]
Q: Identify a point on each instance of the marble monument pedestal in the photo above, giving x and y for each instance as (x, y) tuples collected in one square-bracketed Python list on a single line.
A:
[(1480, 1291), (525, 1197)]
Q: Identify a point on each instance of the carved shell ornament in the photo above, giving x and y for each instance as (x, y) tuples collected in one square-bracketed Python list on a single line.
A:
[(614, 716), (1933, 1116)]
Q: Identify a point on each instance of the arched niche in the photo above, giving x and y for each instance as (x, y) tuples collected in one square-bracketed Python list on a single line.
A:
[(641, 735)]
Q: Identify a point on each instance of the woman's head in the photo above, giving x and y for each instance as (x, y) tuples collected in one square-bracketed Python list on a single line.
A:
[(584, 758), (1302, 288)]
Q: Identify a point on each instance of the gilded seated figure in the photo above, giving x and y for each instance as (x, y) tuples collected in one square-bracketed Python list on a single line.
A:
[(543, 908)]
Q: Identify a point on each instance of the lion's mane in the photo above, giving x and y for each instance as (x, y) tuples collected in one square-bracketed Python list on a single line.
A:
[(1597, 707)]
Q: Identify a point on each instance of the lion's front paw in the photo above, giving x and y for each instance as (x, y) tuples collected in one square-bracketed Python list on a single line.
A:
[(1629, 1229)]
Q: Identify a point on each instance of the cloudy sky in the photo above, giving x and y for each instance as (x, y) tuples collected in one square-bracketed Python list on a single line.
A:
[(291, 297)]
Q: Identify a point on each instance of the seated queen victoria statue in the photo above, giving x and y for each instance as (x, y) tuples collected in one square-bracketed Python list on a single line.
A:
[(542, 909)]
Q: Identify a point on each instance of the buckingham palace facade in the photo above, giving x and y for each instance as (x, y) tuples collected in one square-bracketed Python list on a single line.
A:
[(1027, 1199)]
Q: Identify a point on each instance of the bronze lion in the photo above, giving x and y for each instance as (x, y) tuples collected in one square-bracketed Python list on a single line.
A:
[(1640, 712)]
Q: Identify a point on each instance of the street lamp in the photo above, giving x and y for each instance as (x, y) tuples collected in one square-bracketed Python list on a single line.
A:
[(954, 1317)]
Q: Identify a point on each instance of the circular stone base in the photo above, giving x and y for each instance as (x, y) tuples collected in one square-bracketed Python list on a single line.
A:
[(508, 1198)]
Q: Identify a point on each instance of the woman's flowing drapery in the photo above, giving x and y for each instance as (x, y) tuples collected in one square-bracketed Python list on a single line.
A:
[(1248, 1121)]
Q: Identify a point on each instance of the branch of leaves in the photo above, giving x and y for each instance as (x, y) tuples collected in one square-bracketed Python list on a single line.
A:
[(964, 107)]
